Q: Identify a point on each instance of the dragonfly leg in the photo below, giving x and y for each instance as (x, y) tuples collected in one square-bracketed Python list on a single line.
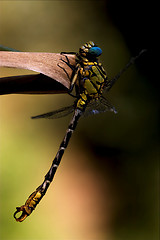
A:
[(74, 68), (74, 76), (69, 53), (63, 70), (72, 85), (69, 65), (67, 61)]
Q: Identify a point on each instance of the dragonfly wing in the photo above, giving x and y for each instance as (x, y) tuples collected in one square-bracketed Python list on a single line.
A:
[(112, 81), (100, 106), (107, 104), (62, 112)]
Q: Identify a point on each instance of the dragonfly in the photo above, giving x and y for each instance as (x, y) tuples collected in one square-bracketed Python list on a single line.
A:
[(89, 82)]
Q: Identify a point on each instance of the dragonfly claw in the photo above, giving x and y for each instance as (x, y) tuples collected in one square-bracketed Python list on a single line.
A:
[(24, 213), (29, 206)]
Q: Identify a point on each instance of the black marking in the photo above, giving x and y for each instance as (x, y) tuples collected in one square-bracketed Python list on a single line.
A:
[(100, 71), (59, 155), (49, 176), (95, 86)]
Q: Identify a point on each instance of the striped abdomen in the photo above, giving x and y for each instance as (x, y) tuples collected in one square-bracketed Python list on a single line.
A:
[(37, 195)]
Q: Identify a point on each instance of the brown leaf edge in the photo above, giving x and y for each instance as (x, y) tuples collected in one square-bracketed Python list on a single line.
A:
[(51, 80)]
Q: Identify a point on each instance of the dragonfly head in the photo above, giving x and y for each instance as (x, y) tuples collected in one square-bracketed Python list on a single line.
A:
[(90, 50)]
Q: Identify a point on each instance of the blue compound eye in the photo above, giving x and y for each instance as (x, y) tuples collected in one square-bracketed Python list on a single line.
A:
[(95, 51)]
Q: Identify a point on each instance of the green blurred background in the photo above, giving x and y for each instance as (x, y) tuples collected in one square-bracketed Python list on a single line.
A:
[(107, 184)]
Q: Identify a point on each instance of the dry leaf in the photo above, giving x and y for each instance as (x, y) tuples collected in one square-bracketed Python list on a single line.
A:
[(52, 78)]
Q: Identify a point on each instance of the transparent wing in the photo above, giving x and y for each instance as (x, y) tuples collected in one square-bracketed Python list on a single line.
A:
[(62, 112), (95, 107), (112, 81), (100, 106), (107, 104)]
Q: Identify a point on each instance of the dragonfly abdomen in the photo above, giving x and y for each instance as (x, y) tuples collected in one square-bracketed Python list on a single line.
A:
[(32, 202)]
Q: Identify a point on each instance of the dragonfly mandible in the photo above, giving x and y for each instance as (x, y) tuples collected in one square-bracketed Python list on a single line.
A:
[(90, 81)]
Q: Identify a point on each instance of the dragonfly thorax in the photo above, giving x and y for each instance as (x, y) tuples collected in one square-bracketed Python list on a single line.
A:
[(90, 75)]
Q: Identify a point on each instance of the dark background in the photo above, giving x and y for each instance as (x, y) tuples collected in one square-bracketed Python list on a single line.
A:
[(107, 184)]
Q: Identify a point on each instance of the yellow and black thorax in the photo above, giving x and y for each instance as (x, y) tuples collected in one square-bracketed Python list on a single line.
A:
[(91, 75)]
